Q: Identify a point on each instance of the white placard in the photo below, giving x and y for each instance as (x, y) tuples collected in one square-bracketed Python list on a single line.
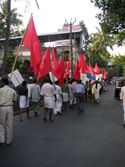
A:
[(52, 77), (16, 78)]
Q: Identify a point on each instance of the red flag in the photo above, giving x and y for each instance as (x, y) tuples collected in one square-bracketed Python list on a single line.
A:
[(97, 70), (82, 63), (76, 73), (62, 72), (90, 70), (105, 74), (31, 41), (67, 69), (45, 65), (54, 65)]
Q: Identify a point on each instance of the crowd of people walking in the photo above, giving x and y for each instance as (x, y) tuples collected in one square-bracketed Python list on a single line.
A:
[(53, 98)]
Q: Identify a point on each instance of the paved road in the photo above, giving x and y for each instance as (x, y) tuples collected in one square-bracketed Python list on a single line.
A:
[(93, 139)]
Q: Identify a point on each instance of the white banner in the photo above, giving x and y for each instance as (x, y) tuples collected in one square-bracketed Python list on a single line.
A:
[(16, 78)]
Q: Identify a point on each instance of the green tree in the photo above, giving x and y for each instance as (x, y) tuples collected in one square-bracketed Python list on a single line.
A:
[(9, 63), (119, 62), (112, 15), (7, 32), (96, 58), (85, 30), (15, 20), (98, 44)]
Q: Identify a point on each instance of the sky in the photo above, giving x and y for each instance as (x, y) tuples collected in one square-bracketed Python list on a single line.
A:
[(52, 14)]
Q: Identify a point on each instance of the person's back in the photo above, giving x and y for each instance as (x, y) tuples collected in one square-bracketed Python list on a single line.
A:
[(58, 90), (71, 88), (47, 94), (96, 89), (80, 88), (7, 95), (23, 90), (23, 100), (35, 93), (65, 88), (47, 90)]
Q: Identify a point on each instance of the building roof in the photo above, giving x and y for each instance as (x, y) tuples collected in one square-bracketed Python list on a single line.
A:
[(49, 37)]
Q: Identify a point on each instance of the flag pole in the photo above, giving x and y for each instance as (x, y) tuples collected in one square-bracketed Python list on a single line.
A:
[(18, 49), (53, 79)]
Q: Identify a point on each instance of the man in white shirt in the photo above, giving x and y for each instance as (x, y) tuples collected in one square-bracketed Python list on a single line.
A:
[(35, 97), (59, 98), (7, 98), (122, 98), (47, 93)]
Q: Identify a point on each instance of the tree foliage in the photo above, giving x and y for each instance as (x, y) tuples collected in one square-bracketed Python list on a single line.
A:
[(97, 58), (85, 30), (112, 15), (98, 44), (9, 64), (119, 64), (15, 20), (119, 61)]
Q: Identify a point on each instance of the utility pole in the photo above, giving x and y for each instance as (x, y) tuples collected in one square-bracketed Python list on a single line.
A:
[(71, 53)]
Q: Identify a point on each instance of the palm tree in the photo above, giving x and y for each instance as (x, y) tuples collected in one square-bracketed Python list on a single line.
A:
[(15, 20), (99, 42), (7, 32)]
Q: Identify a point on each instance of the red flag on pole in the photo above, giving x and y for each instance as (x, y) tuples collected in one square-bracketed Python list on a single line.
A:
[(54, 65), (90, 70), (62, 72), (105, 74), (82, 63), (31, 41), (76, 73), (45, 65), (97, 70)]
